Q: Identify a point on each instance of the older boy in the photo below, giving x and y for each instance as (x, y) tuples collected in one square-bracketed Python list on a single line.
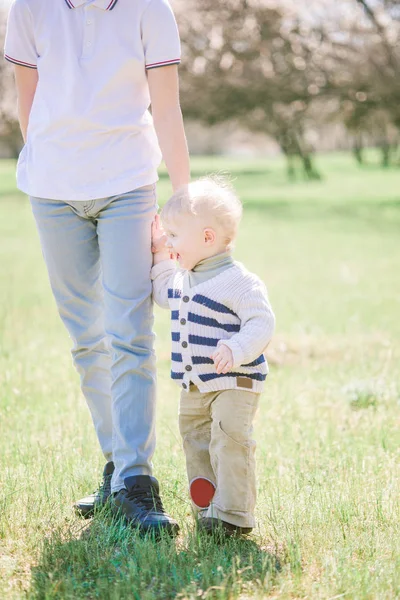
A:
[(86, 71), (221, 324)]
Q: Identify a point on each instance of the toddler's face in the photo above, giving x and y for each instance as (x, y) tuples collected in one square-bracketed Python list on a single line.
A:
[(187, 239)]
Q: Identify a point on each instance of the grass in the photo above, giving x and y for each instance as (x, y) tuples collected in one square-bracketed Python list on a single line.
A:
[(327, 430)]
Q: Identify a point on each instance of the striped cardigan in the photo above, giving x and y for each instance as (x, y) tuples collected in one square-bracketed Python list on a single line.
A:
[(231, 308)]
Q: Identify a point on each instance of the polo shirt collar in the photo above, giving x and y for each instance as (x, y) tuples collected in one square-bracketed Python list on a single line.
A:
[(103, 4)]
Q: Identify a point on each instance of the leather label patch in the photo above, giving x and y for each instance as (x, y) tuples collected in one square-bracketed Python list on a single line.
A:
[(244, 382)]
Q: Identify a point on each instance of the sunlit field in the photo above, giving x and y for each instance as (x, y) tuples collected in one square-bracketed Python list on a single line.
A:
[(327, 429)]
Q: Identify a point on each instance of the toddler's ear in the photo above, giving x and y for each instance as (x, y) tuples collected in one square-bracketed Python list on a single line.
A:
[(209, 236)]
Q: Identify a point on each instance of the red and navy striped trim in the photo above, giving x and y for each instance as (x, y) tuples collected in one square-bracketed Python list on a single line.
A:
[(20, 62), (109, 7), (164, 63), (112, 4)]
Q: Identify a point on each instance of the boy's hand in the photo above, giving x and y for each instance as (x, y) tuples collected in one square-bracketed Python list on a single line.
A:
[(223, 359)]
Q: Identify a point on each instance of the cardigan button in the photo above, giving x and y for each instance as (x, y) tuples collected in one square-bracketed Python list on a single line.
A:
[(188, 368), (186, 298), (184, 344), (183, 321), (184, 386)]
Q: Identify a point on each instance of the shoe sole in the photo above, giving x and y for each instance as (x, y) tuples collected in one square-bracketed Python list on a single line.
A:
[(158, 532), (87, 511), (84, 512), (221, 531)]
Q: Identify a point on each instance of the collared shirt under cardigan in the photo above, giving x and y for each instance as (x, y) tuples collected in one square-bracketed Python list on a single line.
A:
[(230, 307), (90, 134)]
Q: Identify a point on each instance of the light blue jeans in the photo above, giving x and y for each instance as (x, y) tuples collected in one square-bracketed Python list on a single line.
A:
[(98, 256)]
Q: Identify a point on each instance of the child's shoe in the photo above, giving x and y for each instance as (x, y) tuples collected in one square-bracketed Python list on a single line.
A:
[(214, 526)]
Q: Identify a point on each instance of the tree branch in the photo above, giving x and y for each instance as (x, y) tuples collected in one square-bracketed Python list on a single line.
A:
[(382, 31)]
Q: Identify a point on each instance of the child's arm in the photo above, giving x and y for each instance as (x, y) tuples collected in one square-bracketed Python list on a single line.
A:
[(161, 275), (163, 265), (256, 329)]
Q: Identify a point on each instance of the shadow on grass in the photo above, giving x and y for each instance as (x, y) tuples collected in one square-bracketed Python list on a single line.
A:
[(107, 560)]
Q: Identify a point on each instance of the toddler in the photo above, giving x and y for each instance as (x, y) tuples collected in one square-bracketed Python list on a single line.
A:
[(221, 324)]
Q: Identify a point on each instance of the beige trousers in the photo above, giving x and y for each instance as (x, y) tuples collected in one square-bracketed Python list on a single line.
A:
[(216, 429)]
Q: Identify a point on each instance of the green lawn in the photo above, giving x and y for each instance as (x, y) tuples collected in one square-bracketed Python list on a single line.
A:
[(327, 430)]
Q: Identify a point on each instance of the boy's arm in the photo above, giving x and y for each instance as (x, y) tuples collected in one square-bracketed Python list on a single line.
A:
[(256, 329), (161, 277), (26, 82), (168, 123)]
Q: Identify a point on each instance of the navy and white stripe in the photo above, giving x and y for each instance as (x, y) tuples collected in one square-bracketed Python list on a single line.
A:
[(231, 307), (174, 293), (176, 375), (214, 306), (210, 376), (205, 360), (258, 361), (200, 347), (206, 322), (203, 340)]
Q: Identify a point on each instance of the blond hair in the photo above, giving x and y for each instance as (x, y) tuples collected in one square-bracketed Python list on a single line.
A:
[(210, 197)]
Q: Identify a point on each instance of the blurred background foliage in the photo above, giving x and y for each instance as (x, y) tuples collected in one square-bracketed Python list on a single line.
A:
[(262, 76)]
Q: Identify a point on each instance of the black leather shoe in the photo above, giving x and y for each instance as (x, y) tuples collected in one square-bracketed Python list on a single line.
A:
[(85, 507), (218, 527), (140, 504)]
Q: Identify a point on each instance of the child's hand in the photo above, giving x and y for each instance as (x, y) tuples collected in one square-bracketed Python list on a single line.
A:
[(159, 246), (158, 237), (223, 359)]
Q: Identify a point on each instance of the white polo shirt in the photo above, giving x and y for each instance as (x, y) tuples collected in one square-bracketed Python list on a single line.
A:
[(90, 134)]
